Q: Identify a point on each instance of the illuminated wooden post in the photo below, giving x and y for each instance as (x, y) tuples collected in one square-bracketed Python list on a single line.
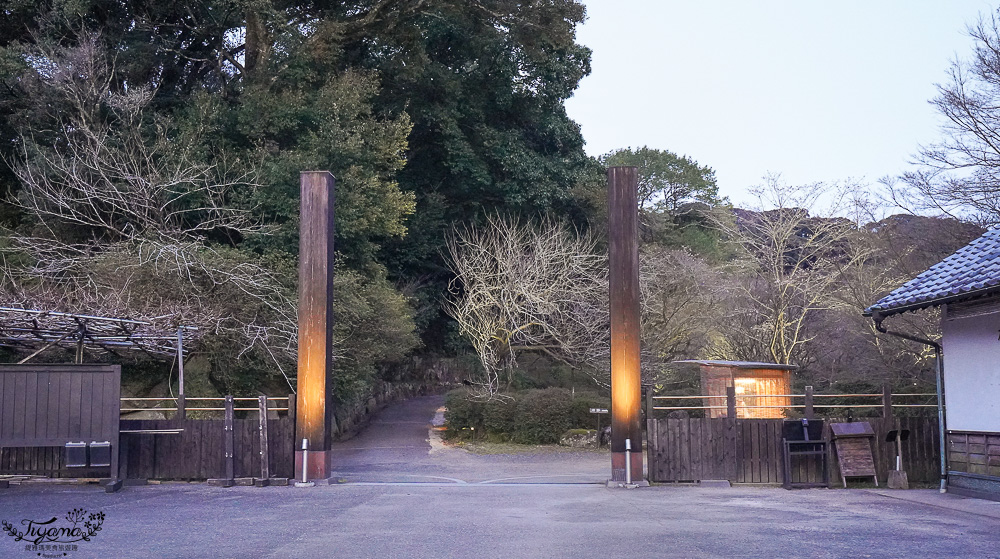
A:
[(316, 257), (623, 252)]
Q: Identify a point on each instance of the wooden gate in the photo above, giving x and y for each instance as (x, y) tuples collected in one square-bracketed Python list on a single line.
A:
[(691, 449), (749, 450)]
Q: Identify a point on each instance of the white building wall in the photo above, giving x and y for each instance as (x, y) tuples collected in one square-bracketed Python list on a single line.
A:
[(972, 372)]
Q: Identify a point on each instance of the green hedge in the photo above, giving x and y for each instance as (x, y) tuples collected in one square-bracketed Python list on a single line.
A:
[(537, 416)]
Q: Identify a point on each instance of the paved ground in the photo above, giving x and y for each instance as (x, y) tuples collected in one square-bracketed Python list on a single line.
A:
[(449, 512), (402, 445)]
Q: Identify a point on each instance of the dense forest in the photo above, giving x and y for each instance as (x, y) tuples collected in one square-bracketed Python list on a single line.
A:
[(151, 157)]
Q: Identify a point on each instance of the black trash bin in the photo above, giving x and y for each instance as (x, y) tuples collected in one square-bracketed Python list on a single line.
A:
[(802, 441)]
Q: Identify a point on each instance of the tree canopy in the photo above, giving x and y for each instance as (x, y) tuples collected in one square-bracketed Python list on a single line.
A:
[(192, 121), (666, 180)]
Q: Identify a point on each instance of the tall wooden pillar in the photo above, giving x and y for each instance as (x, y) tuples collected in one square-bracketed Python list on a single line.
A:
[(623, 252), (316, 258)]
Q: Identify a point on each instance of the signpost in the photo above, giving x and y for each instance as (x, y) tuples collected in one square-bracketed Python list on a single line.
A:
[(598, 412)]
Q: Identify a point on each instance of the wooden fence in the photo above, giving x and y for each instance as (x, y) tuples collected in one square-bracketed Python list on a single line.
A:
[(185, 449), (198, 451), (750, 450)]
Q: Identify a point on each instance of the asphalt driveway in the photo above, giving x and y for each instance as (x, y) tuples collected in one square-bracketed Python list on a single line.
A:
[(403, 444), (401, 501)]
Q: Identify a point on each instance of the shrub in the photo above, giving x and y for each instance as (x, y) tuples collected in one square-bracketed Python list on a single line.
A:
[(580, 416), (461, 412), (542, 415), (500, 418), (535, 416)]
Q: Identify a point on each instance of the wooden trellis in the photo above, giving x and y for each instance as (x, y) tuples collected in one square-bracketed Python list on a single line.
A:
[(38, 330)]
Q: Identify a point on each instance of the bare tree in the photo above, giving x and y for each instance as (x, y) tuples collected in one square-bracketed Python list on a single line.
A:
[(960, 175), (118, 207), (792, 266), (680, 299), (543, 288), (112, 168), (520, 287)]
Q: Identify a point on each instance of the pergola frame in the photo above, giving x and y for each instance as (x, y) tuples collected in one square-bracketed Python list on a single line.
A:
[(38, 330)]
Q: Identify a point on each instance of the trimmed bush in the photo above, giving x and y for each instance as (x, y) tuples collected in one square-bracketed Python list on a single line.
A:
[(536, 416), (542, 415), (461, 412), (500, 418), (580, 415)]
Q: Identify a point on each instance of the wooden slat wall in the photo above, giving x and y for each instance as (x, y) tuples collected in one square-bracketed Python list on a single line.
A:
[(50, 405), (749, 450), (194, 454), (44, 406), (197, 452), (694, 448), (974, 452)]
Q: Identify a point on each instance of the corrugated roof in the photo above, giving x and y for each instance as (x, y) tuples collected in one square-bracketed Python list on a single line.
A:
[(971, 271)]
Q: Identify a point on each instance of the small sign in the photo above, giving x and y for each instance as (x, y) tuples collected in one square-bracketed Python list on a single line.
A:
[(598, 410)]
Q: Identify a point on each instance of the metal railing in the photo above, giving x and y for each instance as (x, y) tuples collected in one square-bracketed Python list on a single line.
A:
[(806, 402), (180, 404)]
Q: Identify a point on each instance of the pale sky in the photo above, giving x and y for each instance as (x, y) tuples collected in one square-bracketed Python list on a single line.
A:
[(816, 91)]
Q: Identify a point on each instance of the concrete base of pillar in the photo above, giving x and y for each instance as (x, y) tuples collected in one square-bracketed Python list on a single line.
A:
[(318, 466), (612, 484), (618, 467)]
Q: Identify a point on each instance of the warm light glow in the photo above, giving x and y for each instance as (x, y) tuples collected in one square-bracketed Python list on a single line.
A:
[(749, 385), (745, 406), (624, 388)]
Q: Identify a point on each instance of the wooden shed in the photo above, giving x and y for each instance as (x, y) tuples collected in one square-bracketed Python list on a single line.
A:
[(762, 389)]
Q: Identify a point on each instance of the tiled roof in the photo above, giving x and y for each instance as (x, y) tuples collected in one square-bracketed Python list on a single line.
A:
[(972, 270)]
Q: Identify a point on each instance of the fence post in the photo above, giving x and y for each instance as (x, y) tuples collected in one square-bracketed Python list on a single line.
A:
[(265, 466), (809, 402), (886, 401), (181, 411), (649, 402), (228, 441), (730, 403), (291, 407)]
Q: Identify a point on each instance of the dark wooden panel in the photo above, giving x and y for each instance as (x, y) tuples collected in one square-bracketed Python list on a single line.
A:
[(84, 408), (773, 448), (52, 391), (42, 407), (6, 407), (93, 410), (74, 427), (32, 415), (20, 386)]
